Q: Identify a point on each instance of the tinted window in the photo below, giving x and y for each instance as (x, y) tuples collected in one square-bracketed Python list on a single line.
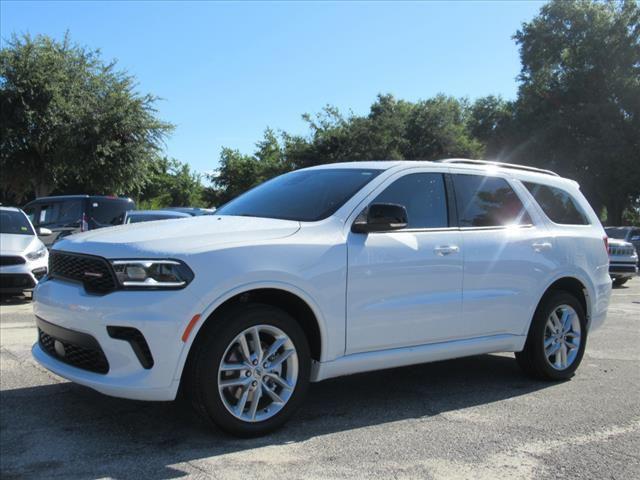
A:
[(424, 197), (60, 213), (557, 204), (619, 233), (306, 195), (105, 212), (488, 202), (14, 223), (135, 218)]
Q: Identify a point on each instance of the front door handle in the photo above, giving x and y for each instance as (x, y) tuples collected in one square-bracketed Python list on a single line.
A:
[(443, 250), (541, 246)]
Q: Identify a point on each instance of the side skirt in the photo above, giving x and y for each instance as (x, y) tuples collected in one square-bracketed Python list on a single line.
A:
[(400, 357)]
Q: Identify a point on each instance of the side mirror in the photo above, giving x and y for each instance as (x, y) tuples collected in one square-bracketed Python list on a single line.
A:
[(381, 217), (44, 231)]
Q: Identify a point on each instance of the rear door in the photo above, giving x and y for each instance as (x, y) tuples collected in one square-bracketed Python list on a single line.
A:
[(404, 287), (506, 256)]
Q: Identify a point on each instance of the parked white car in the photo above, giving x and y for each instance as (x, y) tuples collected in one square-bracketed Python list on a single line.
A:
[(23, 257), (323, 272)]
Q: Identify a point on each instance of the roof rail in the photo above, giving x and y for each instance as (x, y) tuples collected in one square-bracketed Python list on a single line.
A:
[(500, 164)]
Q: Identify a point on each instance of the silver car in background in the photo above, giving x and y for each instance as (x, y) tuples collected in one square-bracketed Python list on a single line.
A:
[(623, 261)]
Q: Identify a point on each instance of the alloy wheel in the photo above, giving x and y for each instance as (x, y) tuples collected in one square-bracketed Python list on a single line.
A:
[(562, 337), (258, 373)]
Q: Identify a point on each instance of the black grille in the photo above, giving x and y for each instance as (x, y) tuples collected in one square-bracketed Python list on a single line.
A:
[(94, 272), (16, 280), (91, 359), (11, 260)]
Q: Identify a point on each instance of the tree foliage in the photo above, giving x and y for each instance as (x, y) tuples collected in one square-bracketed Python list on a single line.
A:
[(578, 107), (171, 183), (392, 130), (68, 118)]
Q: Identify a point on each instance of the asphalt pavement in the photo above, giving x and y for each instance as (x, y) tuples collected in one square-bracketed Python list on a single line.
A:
[(472, 418)]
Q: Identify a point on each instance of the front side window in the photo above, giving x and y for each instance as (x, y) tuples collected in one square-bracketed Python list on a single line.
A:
[(557, 204), (14, 223), (305, 195), (487, 202), (423, 195), (60, 213)]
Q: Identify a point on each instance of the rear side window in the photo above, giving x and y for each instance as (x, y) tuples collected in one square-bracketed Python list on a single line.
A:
[(424, 197), (557, 204), (104, 213), (487, 202)]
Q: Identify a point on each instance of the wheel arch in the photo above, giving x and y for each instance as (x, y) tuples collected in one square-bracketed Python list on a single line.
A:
[(286, 297), (572, 285)]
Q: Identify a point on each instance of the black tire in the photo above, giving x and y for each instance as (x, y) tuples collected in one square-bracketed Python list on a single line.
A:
[(618, 282), (533, 359), (201, 385)]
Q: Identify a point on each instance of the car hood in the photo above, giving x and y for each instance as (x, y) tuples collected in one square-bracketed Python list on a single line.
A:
[(162, 238), (16, 244)]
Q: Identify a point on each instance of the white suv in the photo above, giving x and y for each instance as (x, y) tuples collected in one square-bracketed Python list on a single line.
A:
[(323, 272)]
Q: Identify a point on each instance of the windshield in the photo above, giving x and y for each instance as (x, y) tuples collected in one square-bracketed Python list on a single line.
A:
[(619, 233), (305, 195), (15, 223)]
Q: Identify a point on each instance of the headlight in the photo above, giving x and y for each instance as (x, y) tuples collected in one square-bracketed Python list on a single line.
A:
[(41, 252), (152, 273)]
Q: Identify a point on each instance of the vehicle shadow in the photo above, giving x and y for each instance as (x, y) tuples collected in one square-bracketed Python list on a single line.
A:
[(6, 299), (70, 431)]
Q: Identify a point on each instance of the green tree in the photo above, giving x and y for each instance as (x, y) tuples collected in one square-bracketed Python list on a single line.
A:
[(238, 173), (68, 118), (578, 109), (392, 130), (171, 183)]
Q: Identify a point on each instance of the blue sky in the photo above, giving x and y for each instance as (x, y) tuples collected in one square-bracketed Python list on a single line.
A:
[(228, 70)]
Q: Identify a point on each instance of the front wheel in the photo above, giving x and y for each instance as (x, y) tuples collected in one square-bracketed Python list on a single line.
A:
[(250, 370), (557, 338)]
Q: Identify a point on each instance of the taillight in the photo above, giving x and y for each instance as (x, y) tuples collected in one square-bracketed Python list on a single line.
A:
[(606, 243), (84, 225)]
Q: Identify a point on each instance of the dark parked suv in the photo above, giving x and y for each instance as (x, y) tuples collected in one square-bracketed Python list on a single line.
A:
[(69, 214)]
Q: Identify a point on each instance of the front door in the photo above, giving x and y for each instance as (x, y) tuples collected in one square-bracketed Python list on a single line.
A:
[(404, 287)]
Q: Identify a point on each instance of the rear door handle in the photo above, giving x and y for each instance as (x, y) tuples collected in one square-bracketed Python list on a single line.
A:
[(541, 246), (443, 250)]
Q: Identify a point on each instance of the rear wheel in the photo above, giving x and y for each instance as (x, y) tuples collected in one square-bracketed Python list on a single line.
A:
[(250, 371), (557, 338)]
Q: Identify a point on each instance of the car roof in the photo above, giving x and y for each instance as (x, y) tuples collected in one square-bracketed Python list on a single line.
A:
[(522, 172), (10, 209), (79, 197)]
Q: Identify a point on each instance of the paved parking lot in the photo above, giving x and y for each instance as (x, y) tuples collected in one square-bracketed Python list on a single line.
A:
[(475, 418)]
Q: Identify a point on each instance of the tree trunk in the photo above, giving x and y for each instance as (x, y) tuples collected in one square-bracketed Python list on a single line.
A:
[(615, 209), (41, 188)]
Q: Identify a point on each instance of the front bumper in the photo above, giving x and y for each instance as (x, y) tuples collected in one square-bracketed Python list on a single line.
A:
[(160, 316), (623, 269), (22, 277)]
